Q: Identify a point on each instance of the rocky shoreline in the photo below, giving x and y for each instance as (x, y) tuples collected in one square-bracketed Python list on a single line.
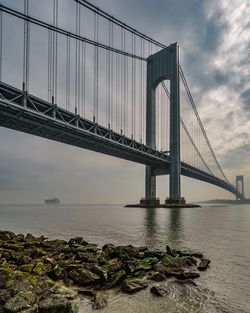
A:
[(38, 275)]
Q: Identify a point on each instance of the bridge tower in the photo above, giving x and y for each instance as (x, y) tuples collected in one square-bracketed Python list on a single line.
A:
[(164, 65), (240, 186)]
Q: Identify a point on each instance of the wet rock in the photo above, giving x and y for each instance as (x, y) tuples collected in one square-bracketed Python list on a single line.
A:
[(21, 301), (85, 248), (168, 271), (13, 246), (116, 279), (100, 300), (194, 254), (187, 281), (3, 279), (26, 268), (184, 261), (103, 258), (142, 249), (102, 272), (87, 257), (170, 252), (186, 275), (83, 276), (77, 240), (159, 291), (56, 305), (115, 265), (203, 264), (158, 277), (5, 295), (41, 269), (6, 235), (61, 290), (126, 252), (109, 250), (145, 264), (132, 285), (56, 245), (156, 253), (19, 237), (86, 292)]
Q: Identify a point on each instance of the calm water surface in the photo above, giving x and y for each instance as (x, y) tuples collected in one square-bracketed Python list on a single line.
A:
[(222, 233)]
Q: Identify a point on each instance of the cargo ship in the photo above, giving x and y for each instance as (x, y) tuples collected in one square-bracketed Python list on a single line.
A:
[(52, 201)]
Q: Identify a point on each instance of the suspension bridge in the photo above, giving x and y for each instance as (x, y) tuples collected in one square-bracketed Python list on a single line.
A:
[(77, 75)]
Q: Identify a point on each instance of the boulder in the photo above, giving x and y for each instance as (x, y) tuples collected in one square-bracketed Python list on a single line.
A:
[(187, 281), (41, 269), (61, 290), (126, 252), (115, 280), (170, 252), (5, 295), (155, 253), (166, 270), (100, 300), (186, 275), (178, 261), (142, 249), (158, 277), (109, 250), (115, 265), (85, 248), (56, 305), (83, 276), (132, 285), (194, 254), (159, 291), (6, 235), (101, 271), (21, 301), (204, 263), (77, 240)]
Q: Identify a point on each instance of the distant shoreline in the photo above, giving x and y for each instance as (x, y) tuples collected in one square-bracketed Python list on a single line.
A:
[(226, 201)]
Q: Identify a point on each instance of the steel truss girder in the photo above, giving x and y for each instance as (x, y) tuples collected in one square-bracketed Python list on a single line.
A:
[(36, 118)]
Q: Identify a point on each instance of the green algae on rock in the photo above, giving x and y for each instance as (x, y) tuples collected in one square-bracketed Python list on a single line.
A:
[(50, 276)]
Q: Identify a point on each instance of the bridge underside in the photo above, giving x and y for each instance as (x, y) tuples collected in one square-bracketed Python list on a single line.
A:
[(40, 118)]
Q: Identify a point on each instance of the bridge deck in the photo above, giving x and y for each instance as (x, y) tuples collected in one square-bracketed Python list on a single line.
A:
[(29, 114)]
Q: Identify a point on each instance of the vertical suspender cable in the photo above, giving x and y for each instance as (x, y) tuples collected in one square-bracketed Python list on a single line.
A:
[(68, 61), (56, 51), (49, 65), (1, 44), (125, 83), (111, 75), (122, 84), (26, 48), (140, 95), (84, 77), (79, 61), (96, 26), (117, 91), (76, 61), (107, 85)]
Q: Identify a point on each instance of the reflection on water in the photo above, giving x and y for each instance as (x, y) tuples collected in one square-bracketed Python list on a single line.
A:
[(151, 226), (172, 218), (175, 225)]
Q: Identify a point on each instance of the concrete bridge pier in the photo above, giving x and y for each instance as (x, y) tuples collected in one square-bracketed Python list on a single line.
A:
[(164, 65)]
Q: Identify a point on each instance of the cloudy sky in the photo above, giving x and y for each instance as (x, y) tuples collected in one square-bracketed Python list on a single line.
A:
[(214, 36)]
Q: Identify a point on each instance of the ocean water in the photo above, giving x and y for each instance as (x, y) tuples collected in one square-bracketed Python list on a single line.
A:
[(221, 232)]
